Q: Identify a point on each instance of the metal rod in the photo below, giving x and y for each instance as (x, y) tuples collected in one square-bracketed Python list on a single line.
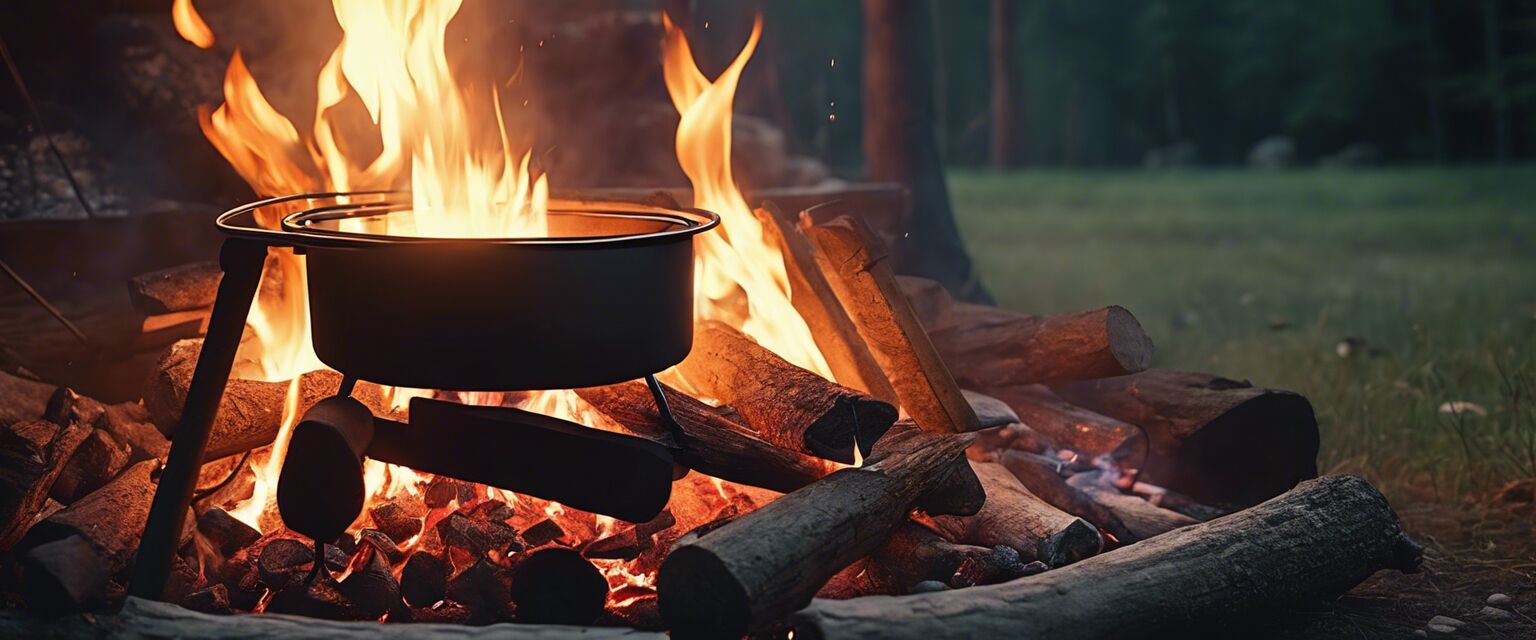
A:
[(348, 383), (37, 119), (242, 261), (662, 407), (43, 302)]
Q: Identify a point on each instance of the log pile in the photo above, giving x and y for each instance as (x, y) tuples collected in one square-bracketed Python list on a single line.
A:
[(972, 470)]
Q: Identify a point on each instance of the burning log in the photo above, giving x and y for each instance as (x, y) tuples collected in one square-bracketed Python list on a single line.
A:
[(424, 580), (32, 456), (711, 441), (372, 589), (767, 563), (1143, 519), (182, 288), (786, 405), (1072, 427), (868, 289), (251, 411), (1220, 441), (991, 347), (836, 336), (226, 533), (395, 521), (557, 586), (1042, 476), (151, 620), (1310, 544), (914, 554), (484, 588), (1014, 517)]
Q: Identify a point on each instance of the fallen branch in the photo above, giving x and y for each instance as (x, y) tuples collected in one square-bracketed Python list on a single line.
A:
[(1308, 545)]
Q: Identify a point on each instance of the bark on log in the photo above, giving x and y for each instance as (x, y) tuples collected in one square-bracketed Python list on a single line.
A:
[(1015, 517), (182, 288), (1142, 518), (710, 442), (22, 399), (110, 518), (1308, 545), (149, 620), (767, 563), (868, 289), (1220, 441), (786, 405), (1042, 476), (988, 347), (836, 336), (251, 411), (94, 463), (1072, 427), (32, 456)]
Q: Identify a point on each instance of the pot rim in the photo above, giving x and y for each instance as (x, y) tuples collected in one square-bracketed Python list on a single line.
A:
[(295, 231)]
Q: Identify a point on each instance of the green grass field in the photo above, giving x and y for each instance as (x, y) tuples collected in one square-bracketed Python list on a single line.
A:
[(1260, 275)]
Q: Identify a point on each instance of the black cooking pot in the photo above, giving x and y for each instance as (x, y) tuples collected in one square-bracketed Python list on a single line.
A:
[(606, 297)]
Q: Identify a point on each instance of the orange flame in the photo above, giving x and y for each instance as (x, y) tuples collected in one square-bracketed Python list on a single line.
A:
[(736, 260), (190, 25)]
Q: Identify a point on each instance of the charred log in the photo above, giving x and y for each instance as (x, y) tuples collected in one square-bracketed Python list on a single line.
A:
[(32, 456), (1310, 544), (1143, 519)]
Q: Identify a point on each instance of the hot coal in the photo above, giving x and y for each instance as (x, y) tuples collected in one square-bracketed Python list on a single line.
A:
[(226, 533), (393, 519), (424, 580)]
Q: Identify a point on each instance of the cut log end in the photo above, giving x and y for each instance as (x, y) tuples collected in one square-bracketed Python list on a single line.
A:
[(1129, 344)]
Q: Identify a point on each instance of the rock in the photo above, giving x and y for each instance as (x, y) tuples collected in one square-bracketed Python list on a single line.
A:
[(1446, 620), (1499, 599), (1495, 613), (1272, 153), (1442, 628), (929, 586)]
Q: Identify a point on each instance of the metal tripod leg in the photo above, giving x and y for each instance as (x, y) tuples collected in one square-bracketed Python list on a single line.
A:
[(673, 428), (242, 261)]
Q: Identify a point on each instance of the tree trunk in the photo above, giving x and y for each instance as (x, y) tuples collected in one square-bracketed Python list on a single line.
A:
[(899, 143), (1004, 84)]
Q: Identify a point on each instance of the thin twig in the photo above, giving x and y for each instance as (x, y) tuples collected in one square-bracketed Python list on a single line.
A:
[(37, 119), (43, 302)]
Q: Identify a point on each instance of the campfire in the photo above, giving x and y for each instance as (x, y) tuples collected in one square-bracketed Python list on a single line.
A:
[(426, 388)]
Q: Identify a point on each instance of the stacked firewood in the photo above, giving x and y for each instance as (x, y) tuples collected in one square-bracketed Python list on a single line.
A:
[(1032, 482)]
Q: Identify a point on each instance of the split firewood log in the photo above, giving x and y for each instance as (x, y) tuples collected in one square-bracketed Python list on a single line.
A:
[(987, 346), (711, 441), (251, 412), (1071, 427), (1143, 519), (863, 280), (1220, 441), (1311, 544), (110, 518), (767, 563), (786, 405), (182, 288), (32, 455), (1015, 517), (834, 332), (915, 554), (1044, 477), (95, 462)]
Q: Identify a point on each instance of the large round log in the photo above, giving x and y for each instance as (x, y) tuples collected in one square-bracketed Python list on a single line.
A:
[(1222, 442), (1308, 545)]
